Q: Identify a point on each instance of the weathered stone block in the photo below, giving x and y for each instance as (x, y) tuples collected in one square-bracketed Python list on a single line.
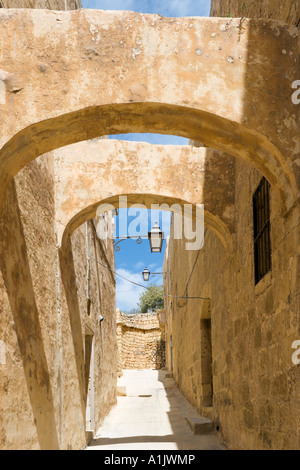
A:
[(200, 425)]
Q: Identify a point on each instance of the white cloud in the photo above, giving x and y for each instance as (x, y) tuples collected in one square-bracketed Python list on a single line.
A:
[(128, 294), (139, 265)]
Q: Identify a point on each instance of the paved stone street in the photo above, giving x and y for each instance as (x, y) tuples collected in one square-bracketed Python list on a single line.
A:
[(151, 417)]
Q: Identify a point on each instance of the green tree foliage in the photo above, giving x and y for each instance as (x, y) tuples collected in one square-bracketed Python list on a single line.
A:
[(152, 299)]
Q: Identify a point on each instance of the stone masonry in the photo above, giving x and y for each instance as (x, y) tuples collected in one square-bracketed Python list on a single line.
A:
[(58, 368), (231, 351), (141, 342), (70, 77)]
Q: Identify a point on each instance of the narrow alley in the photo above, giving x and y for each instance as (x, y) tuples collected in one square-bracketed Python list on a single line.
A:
[(149, 226), (152, 416)]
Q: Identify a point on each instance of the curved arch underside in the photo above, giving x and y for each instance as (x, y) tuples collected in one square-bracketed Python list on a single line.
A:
[(147, 200), (100, 170), (195, 124)]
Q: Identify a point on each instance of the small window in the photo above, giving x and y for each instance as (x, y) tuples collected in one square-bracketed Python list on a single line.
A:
[(262, 232)]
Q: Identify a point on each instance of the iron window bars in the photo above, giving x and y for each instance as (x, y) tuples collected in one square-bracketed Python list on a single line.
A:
[(262, 230)]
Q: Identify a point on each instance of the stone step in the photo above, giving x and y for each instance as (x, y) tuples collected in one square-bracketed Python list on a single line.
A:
[(200, 425), (89, 435)]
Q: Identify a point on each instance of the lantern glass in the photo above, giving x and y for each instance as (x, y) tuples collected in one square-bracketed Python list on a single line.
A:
[(156, 238), (146, 274)]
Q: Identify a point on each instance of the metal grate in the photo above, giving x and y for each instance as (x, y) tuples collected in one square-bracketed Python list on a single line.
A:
[(262, 230)]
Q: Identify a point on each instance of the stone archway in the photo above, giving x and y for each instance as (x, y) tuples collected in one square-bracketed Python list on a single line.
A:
[(70, 76), (213, 131), (146, 200), (99, 171), (105, 73)]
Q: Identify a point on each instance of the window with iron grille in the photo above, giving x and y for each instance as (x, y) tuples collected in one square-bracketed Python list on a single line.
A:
[(262, 230)]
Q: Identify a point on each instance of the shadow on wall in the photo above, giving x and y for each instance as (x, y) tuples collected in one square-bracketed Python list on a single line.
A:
[(220, 173), (67, 268), (14, 265), (181, 432), (17, 277), (240, 175), (159, 356)]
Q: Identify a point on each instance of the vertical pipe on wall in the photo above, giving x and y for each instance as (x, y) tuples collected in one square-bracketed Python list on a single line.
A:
[(88, 274)]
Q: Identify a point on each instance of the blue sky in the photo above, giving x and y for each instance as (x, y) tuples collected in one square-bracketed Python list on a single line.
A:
[(132, 258), (158, 139), (169, 8)]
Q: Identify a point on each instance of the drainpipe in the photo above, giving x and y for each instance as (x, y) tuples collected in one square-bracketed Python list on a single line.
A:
[(88, 274)]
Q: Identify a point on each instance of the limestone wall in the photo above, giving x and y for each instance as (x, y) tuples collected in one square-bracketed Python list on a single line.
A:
[(255, 387), (82, 307), (140, 342), (247, 382), (47, 322), (44, 4)]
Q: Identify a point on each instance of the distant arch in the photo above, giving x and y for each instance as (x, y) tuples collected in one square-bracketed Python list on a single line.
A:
[(89, 212), (97, 170)]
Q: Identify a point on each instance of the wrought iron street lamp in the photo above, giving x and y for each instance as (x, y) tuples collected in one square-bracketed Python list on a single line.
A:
[(146, 274), (116, 243), (156, 238)]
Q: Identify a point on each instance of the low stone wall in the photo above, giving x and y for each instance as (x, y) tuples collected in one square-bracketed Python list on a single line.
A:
[(141, 342), (43, 4)]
